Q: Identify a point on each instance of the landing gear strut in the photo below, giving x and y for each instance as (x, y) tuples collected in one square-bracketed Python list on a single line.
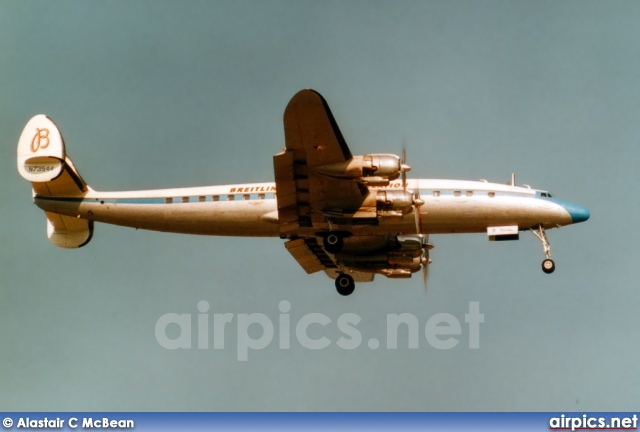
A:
[(345, 284), (333, 242), (548, 266)]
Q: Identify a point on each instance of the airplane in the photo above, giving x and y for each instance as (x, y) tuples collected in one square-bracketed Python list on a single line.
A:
[(351, 216)]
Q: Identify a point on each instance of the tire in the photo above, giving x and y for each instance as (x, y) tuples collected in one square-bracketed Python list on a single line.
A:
[(548, 266), (345, 285), (333, 243)]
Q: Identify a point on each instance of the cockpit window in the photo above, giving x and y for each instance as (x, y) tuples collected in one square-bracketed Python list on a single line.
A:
[(545, 194)]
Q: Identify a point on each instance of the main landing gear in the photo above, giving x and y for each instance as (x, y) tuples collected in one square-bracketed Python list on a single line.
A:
[(548, 266), (333, 242), (345, 284)]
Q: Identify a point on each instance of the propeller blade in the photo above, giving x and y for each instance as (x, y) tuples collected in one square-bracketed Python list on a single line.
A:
[(425, 276), (404, 168), (417, 203), (425, 270), (426, 261)]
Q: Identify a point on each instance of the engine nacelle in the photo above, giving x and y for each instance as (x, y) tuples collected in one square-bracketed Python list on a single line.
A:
[(396, 273), (393, 202), (402, 252), (371, 169), (381, 165)]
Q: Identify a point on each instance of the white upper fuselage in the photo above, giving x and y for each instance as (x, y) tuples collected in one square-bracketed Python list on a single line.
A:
[(450, 206)]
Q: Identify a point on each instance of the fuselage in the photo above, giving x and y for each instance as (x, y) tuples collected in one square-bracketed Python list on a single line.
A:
[(450, 206)]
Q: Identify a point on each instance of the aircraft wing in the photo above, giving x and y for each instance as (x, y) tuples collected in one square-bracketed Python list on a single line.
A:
[(313, 258), (325, 206), (311, 132), (313, 139)]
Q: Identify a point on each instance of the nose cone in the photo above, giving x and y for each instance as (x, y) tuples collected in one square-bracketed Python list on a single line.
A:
[(577, 212)]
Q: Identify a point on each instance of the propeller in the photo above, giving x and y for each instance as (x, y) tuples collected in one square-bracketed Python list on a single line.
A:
[(425, 270), (417, 203), (404, 168), (425, 263)]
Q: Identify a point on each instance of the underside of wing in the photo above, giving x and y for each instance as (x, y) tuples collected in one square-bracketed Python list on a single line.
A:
[(313, 140), (313, 258), (311, 132)]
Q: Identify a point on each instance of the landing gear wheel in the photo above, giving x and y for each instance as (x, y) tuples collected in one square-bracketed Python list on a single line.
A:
[(333, 243), (548, 266), (345, 284)]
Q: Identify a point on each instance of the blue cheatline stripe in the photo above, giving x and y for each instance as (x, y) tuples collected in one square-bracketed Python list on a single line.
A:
[(267, 196), (476, 193), (136, 201), (176, 200)]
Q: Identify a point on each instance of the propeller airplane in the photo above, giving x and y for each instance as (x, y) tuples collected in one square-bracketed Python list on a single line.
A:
[(350, 216)]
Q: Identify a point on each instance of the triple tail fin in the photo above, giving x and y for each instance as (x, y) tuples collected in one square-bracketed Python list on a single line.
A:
[(42, 160)]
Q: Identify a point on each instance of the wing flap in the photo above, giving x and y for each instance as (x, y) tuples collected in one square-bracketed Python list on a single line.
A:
[(357, 276), (309, 254)]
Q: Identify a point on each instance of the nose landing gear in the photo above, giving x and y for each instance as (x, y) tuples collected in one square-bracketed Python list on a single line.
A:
[(548, 266)]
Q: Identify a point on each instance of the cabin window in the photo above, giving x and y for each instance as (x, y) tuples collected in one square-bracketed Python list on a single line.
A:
[(215, 198), (231, 197), (491, 194), (185, 199), (436, 193), (202, 199), (260, 196), (457, 193), (246, 196), (469, 193), (168, 200)]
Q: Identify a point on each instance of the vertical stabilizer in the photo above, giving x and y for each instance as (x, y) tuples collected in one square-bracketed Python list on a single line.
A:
[(42, 160)]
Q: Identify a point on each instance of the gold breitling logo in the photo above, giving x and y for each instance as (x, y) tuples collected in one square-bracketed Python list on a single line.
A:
[(40, 140)]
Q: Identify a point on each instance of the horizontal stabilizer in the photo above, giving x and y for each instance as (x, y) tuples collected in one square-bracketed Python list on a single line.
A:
[(67, 231)]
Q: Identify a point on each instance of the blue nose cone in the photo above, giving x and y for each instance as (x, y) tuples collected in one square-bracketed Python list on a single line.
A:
[(577, 212)]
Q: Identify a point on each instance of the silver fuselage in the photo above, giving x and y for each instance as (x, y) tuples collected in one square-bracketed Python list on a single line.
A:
[(450, 206)]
